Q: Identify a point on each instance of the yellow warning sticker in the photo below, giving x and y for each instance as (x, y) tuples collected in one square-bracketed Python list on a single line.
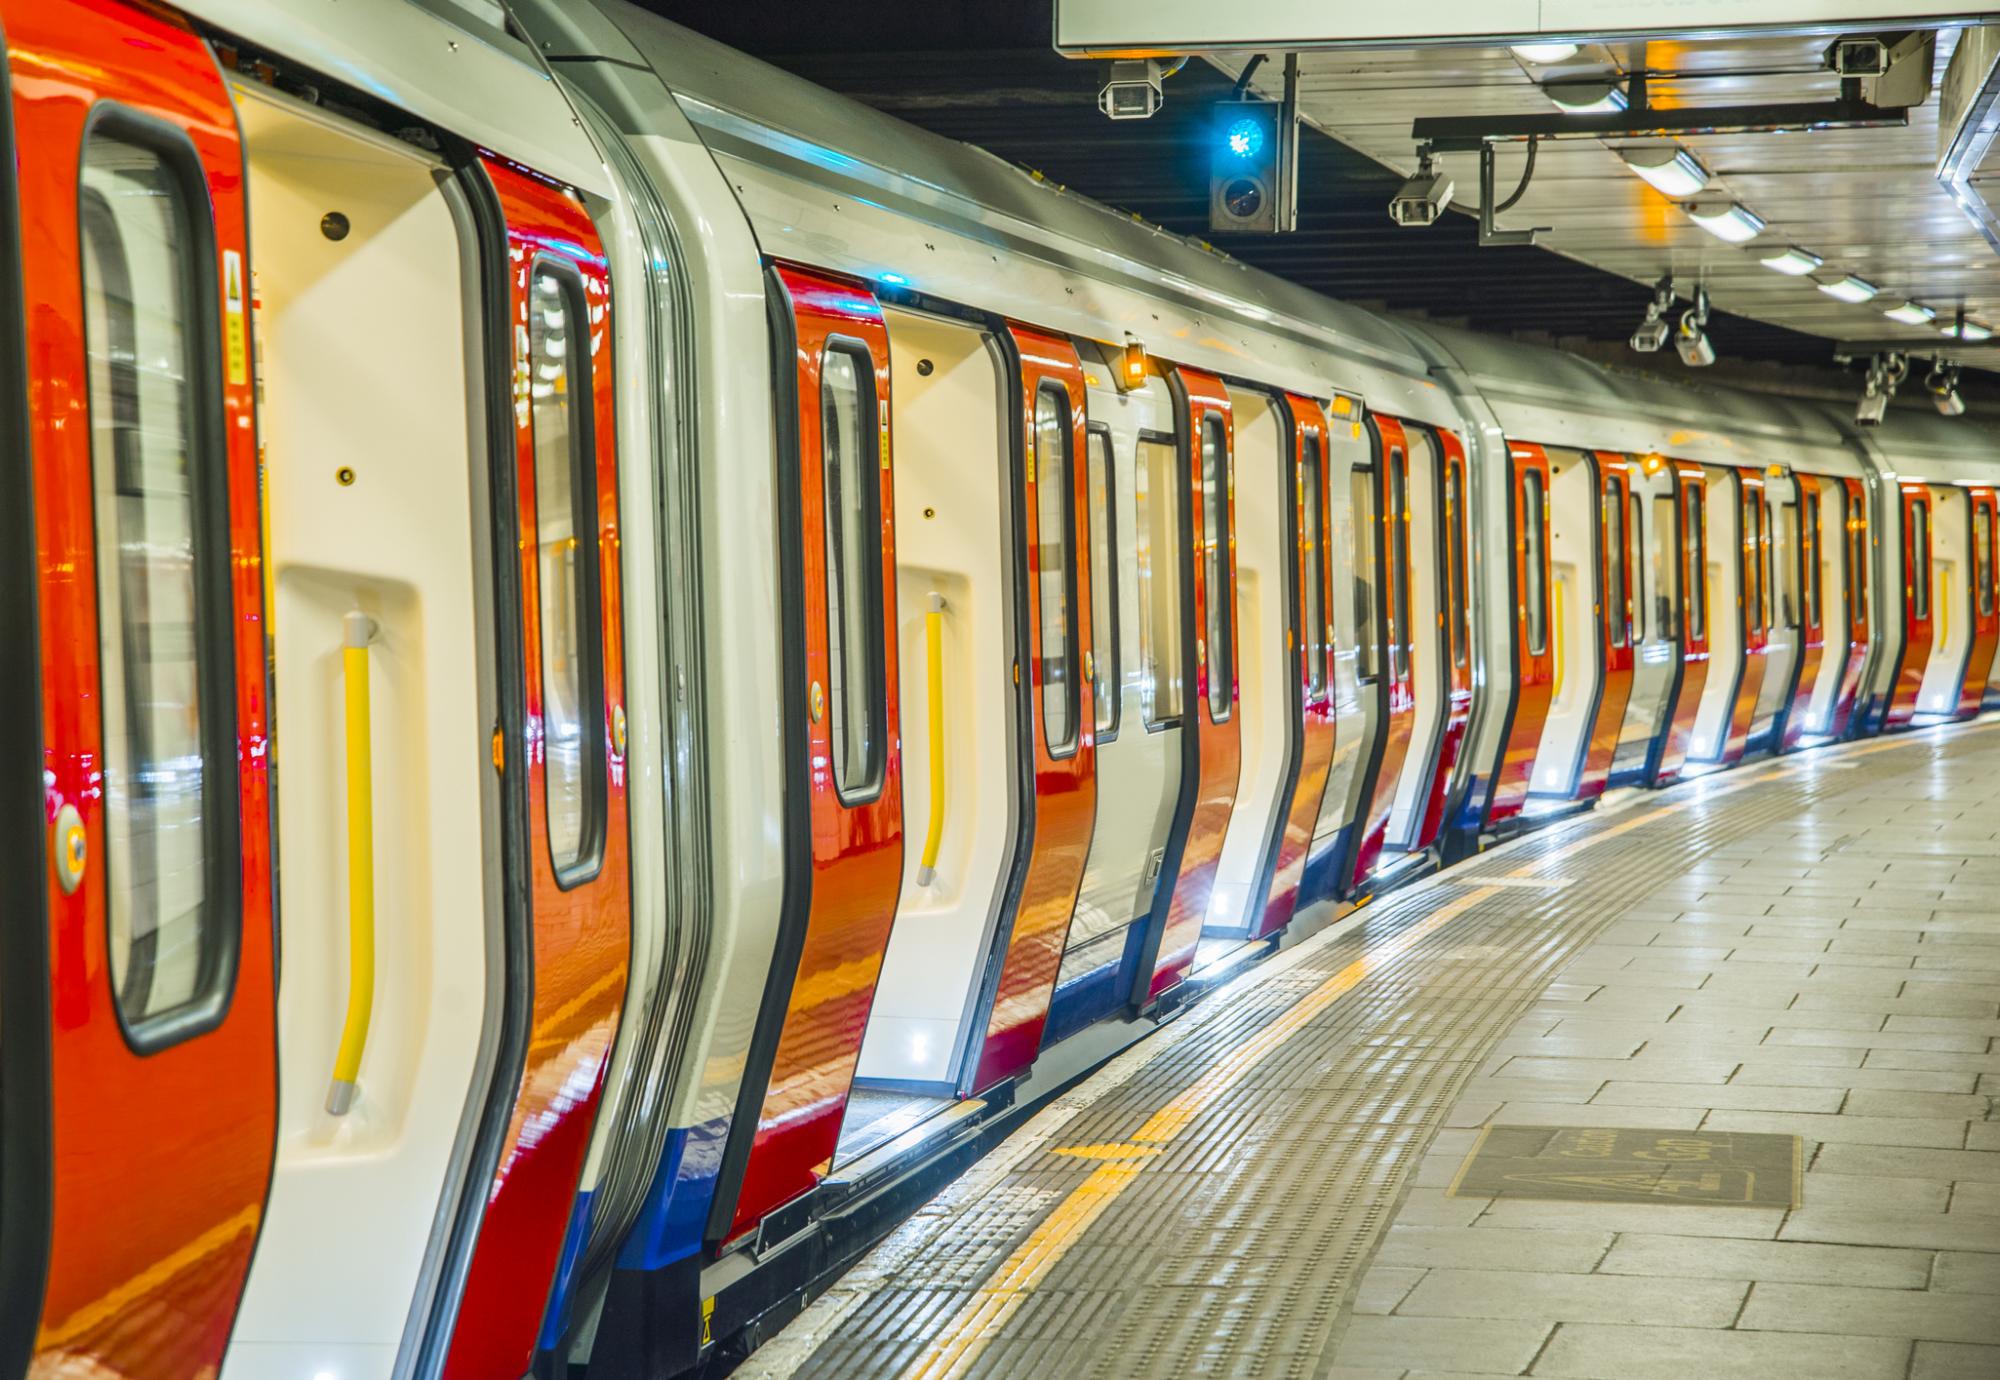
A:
[(235, 326)]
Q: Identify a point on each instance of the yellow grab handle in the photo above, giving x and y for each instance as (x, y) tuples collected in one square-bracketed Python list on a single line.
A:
[(934, 652), (357, 631)]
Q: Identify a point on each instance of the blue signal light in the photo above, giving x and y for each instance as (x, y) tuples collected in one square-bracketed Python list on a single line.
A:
[(1245, 138), (894, 279)]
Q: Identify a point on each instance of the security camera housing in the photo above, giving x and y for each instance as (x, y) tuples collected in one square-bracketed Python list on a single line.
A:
[(1422, 199), (1132, 90), (1651, 335)]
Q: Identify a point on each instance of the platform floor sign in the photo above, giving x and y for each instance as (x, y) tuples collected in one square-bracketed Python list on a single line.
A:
[(1622, 1164)]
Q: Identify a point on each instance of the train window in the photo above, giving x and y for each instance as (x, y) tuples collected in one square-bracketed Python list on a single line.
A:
[(1534, 528), (1808, 532), (566, 543), (1103, 581), (1920, 560), (852, 497), (1753, 569), (1217, 564), (1055, 576), (1454, 524), (1857, 563), (1312, 565), (163, 585), (1635, 540), (1614, 563), (1399, 567), (1982, 557), (1694, 521), (1156, 494), (1366, 518)]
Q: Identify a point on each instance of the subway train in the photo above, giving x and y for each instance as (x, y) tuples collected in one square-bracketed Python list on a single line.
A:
[(619, 659)]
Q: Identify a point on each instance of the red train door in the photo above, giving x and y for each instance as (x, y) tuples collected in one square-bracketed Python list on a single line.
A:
[(1691, 535), (1217, 743), (1312, 635), (1614, 601), (1918, 615), (1400, 682), (1052, 422), (138, 1093), (1985, 615), (1812, 625), (1534, 643), (1854, 589), (564, 478), (1753, 609), (1455, 613), (844, 779)]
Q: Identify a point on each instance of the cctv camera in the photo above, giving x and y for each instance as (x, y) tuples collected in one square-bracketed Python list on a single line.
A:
[(1858, 57), (1422, 199), (1874, 406), (1696, 350), (1652, 334), (1132, 89)]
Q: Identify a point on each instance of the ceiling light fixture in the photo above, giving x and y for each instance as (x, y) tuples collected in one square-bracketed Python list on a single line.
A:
[(1727, 221), (1962, 329), (1670, 168), (1849, 289), (1793, 261), (1911, 314), (1586, 97), (1542, 54)]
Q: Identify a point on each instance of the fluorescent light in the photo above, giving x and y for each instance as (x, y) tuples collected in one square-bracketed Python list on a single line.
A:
[(1794, 261), (1849, 289), (1542, 54), (1728, 221), (1672, 169), (1969, 330), (1587, 97), (1911, 314)]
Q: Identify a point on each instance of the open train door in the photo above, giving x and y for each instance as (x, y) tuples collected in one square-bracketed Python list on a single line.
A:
[(1455, 615), (1061, 674), (1691, 541), (1854, 590), (1210, 769), (1614, 604), (1985, 600), (843, 807), (1399, 687), (138, 1087), (1812, 616), (1914, 565), (561, 749), (1528, 517), (1310, 644)]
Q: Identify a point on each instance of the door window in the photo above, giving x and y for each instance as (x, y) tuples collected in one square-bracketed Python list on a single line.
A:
[(1313, 566), (1694, 513), (1104, 642), (1920, 559), (1754, 602), (1156, 498), (1982, 556), (1454, 526), (1367, 518), (1399, 567), (1857, 563), (1216, 568), (853, 501), (1635, 537), (1614, 562), (1534, 535), (566, 569), (1055, 579), (163, 585), (1810, 535)]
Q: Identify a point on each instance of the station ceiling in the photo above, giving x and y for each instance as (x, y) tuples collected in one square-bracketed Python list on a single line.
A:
[(986, 74)]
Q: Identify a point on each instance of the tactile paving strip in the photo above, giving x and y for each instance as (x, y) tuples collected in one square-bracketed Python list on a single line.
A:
[(1208, 1212)]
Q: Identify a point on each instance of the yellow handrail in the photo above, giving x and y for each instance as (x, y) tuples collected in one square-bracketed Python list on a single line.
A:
[(357, 631), (934, 653), (1556, 638)]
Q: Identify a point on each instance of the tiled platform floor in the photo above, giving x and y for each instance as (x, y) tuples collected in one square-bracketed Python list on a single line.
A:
[(1809, 948)]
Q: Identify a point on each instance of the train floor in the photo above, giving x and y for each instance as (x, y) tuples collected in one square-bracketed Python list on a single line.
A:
[(1701, 1083)]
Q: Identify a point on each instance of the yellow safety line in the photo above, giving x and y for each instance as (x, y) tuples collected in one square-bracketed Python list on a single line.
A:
[(958, 1344)]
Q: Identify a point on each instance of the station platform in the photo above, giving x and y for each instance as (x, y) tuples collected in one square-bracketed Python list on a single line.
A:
[(1698, 1084)]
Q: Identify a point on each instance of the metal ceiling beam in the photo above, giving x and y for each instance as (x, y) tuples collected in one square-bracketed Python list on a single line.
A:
[(1468, 133)]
